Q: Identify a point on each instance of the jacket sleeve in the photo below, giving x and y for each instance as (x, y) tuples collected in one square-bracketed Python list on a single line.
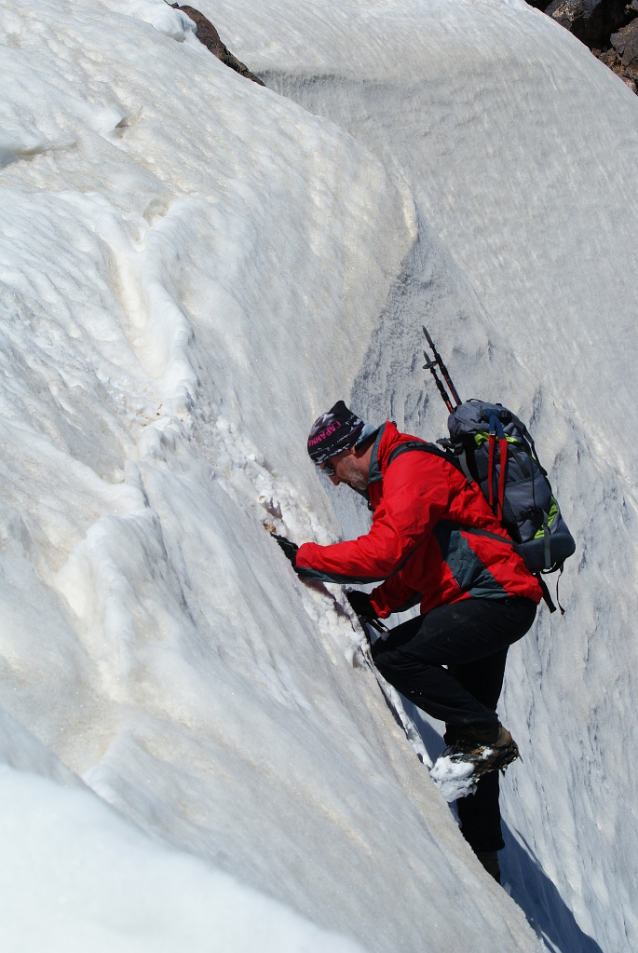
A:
[(393, 595), (415, 496)]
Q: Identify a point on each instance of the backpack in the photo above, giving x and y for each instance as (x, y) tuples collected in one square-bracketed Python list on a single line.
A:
[(494, 449)]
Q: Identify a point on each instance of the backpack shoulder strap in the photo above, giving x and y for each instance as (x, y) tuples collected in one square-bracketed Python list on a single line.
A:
[(425, 447)]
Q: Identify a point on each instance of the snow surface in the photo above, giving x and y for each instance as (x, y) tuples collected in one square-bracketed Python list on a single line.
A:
[(97, 882), (454, 779), (192, 268)]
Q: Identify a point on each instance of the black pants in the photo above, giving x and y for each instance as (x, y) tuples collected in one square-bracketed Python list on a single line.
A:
[(471, 638)]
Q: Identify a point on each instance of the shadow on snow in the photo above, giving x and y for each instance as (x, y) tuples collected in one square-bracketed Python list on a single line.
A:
[(524, 878)]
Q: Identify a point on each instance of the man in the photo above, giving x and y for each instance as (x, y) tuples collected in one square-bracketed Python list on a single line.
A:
[(435, 541)]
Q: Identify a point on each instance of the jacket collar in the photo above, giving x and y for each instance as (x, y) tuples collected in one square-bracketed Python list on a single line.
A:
[(387, 438), (375, 474)]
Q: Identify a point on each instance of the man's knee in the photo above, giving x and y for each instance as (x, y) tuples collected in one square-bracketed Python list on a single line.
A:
[(385, 661), (406, 672)]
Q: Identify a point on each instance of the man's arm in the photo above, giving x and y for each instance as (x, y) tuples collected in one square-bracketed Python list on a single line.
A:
[(415, 496), (393, 596)]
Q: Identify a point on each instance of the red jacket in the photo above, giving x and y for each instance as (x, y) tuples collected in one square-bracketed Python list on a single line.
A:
[(432, 537)]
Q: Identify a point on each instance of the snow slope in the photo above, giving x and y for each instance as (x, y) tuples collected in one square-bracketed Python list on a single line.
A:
[(520, 151), (96, 881), (191, 268)]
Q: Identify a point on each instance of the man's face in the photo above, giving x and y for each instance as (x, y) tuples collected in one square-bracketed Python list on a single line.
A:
[(347, 469)]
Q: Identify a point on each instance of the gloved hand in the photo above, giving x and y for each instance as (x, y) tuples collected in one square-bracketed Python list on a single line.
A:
[(362, 605), (360, 602), (289, 549)]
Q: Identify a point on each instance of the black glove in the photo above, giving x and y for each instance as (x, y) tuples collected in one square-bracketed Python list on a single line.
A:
[(360, 602), (289, 549)]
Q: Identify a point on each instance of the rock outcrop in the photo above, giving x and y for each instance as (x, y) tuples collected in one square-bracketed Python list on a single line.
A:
[(590, 20), (608, 27), (625, 43), (208, 35), (622, 58)]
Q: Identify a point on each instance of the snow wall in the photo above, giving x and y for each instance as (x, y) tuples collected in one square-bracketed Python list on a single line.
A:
[(192, 268), (519, 150)]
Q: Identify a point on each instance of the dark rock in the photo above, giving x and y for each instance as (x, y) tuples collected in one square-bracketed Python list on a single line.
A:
[(208, 35), (570, 14), (625, 42), (610, 58), (590, 20)]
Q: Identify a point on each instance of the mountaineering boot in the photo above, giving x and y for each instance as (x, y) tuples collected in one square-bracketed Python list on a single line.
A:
[(487, 751), (489, 859)]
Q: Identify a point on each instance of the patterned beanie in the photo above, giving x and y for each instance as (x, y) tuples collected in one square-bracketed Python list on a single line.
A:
[(333, 432)]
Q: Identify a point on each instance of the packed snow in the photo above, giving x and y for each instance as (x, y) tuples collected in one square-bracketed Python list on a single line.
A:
[(97, 882), (454, 779), (198, 753)]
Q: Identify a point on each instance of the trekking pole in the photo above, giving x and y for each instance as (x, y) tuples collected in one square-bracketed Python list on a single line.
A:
[(431, 365)]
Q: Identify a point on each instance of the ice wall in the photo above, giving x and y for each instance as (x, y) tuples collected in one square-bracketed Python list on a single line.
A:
[(519, 148), (191, 266)]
